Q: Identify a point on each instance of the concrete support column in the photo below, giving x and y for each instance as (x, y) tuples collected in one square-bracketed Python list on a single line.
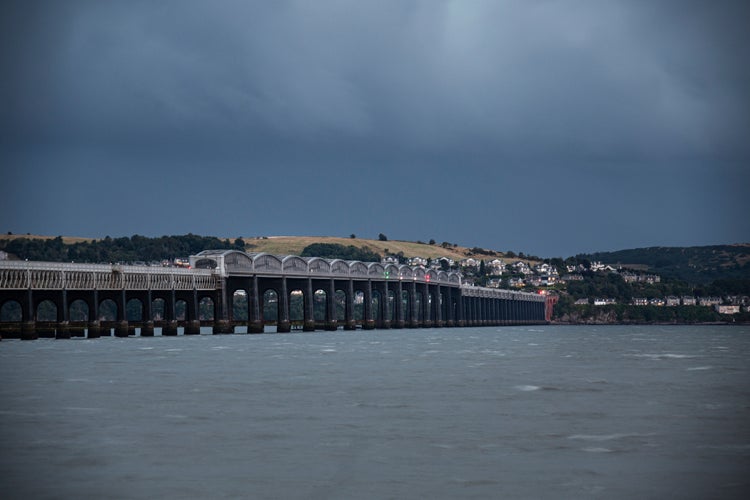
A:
[(94, 328), (63, 321), (349, 310), (450, 320), (368, 322), (28, 328), (460, 309), (385, 307), (222, 317), (331, 320), (399, 305), (284, 325), (121, 328), (254, 323), (439, 307), (308, 324), (170, 311), (193, 324), (147, 330), (427, 307), (413, 312)]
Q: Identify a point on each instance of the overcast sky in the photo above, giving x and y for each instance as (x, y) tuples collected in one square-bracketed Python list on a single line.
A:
[(548, 127)]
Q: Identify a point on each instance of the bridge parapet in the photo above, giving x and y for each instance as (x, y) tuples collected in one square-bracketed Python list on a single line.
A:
[(15, 275), (237, 263), (494, 293)]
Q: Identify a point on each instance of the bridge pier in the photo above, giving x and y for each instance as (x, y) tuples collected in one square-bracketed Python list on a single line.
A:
[(255, 326), (28, 330), (222, 326), (93, 329), (147, 329), (169, 328), (121, 329), (284, 327), (193, 327), (332, 325), (63, 330)]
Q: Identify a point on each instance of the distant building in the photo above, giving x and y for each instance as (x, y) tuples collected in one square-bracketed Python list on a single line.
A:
[(572, 277), (581, 302), (3, 255), (709, 301), (417, 261), (672, 301), (604, 302), (722, 309), (656, 301), (640, 301), (495, 267), (688, 300), (649, 278), (470, 262), (521, 267), (494, 283), (516, 282)]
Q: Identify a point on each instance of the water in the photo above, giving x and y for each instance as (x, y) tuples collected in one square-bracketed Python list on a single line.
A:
[(527, 412)]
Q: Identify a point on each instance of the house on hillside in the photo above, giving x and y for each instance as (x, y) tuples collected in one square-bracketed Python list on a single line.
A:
[(417, 261), (672, 301), (495, 267), (469, 262), (722, 309)]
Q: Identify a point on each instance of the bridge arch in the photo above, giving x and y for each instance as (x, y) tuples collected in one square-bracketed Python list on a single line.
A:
[(265, 262), (79, 310), (317, 265), (270, 310), (206, 263), (11, 310), (339, 267), (240, 304), (134, 310), (107, 310), (357, 268), (294, 265), (206, 309)]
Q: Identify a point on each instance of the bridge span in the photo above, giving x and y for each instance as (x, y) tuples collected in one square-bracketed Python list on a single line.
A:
[(226, 289)]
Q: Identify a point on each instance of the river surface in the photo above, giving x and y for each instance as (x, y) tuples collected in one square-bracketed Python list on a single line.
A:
[(513, 412)]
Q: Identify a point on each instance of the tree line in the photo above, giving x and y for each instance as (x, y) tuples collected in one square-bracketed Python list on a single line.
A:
[(125, 249)]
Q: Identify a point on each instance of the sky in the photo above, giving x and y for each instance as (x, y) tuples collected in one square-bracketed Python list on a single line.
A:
[(542, 126)]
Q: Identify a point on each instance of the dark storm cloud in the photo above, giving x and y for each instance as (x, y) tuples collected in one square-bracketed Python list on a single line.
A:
[(494, 94)]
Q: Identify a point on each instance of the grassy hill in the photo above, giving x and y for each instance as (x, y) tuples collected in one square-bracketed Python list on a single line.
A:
[(128, 249), (293, 245)]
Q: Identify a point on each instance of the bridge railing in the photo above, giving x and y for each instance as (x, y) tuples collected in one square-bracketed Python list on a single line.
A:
[(73, 276), (238, 263)]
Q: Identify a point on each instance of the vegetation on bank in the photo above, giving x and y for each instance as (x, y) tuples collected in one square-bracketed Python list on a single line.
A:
[(133, 249), (567, 312), (702, 264), (336, 251)]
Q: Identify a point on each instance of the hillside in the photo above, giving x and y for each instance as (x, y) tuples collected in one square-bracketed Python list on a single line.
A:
[(138, 248), (293, 245), (691, 264)]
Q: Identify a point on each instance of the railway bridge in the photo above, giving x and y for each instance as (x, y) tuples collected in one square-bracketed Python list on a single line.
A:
[(227, 289)]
